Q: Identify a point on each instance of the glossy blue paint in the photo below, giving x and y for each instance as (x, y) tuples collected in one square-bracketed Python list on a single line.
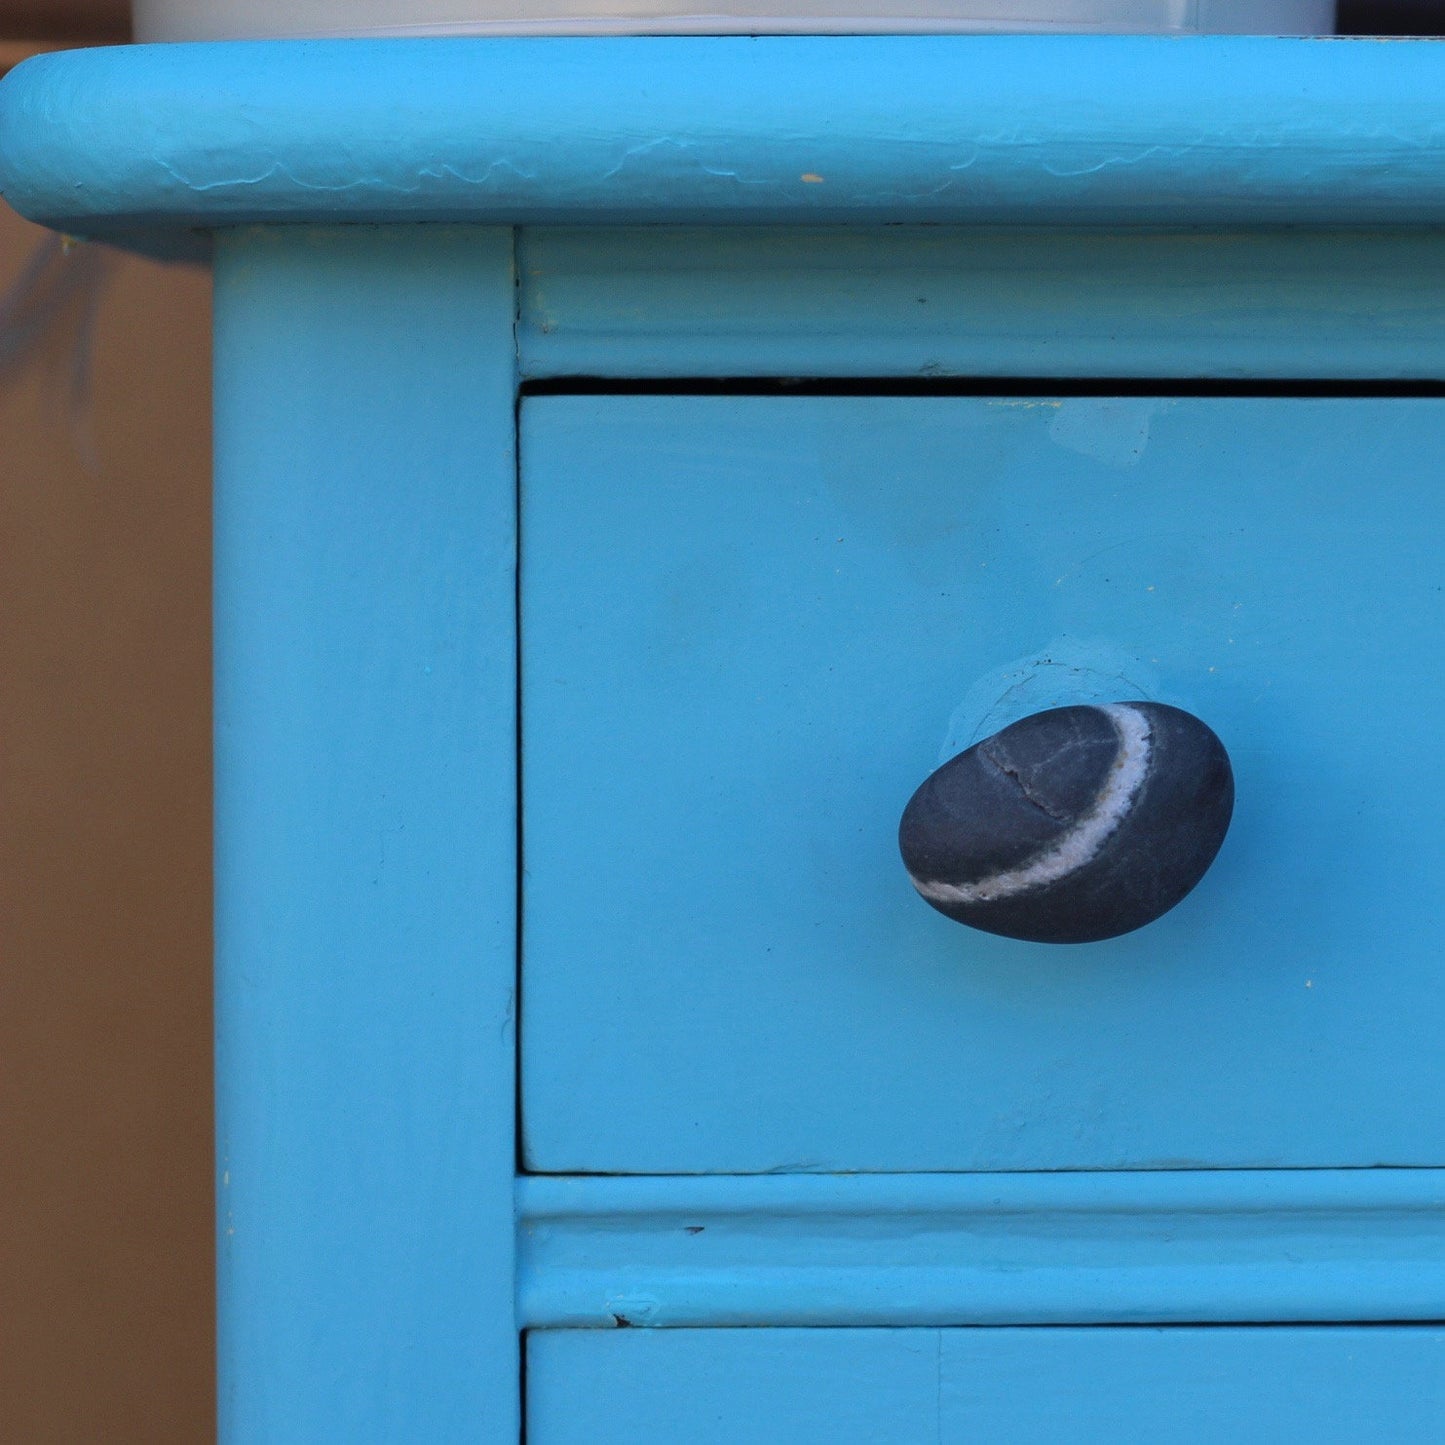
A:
[(751, 625), (940, 301), (1007, 1387), (365, 853), (948, 1249), (997, 129)]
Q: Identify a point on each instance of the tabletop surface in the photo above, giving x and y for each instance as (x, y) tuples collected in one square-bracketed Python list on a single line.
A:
[(133, 142)]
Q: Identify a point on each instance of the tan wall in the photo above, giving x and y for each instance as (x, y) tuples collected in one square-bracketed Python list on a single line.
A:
[(105, 1116)]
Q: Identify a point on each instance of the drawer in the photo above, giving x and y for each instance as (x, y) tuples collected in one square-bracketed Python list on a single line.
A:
[(751, 625), (1010, 1386)]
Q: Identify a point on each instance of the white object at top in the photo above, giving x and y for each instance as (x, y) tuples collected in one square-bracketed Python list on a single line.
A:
[(250, 19)]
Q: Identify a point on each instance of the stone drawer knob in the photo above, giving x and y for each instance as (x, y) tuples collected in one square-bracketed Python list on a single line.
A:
[(1071, 825)]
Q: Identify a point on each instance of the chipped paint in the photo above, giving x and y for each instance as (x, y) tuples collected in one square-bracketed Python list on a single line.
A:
[(1113, 430), (1066, 671)]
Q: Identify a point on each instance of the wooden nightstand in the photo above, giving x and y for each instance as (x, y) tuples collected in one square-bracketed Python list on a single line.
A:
[(639, 464)]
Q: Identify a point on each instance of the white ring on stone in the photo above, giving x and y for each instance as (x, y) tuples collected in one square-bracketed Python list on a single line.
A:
[(1084, 840)]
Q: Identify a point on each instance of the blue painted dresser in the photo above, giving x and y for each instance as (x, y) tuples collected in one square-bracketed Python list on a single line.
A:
[(639, 464)]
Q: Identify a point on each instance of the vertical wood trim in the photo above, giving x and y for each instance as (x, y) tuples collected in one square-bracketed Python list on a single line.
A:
[(366, 834)]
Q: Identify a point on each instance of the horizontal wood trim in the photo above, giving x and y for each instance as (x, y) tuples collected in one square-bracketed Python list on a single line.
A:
[(1001, 129), (12, 52), (927, 302), (1167, 1247)]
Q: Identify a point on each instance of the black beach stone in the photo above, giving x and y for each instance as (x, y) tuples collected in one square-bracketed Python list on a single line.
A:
[(1071, 825)]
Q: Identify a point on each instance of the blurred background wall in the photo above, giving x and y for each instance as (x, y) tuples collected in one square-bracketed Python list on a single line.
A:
[(106, 1296)]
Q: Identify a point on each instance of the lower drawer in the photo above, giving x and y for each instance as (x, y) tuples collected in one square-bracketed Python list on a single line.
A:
[(943, 1387)]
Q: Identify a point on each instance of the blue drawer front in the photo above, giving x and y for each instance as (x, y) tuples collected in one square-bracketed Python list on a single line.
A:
[(752, 625), (1268, 1385)]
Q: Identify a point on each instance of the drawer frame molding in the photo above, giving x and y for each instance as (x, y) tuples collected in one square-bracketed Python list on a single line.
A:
[(1167, 1247), (928, 303)]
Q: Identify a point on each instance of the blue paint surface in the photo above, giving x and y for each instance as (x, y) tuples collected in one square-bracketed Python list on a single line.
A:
[(365, 854), (1012, 1387), (749, 625), (932, 301), (1049, 1247), (132, 141)]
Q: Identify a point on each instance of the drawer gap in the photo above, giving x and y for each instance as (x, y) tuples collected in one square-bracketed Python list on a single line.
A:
[(978, 386)]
